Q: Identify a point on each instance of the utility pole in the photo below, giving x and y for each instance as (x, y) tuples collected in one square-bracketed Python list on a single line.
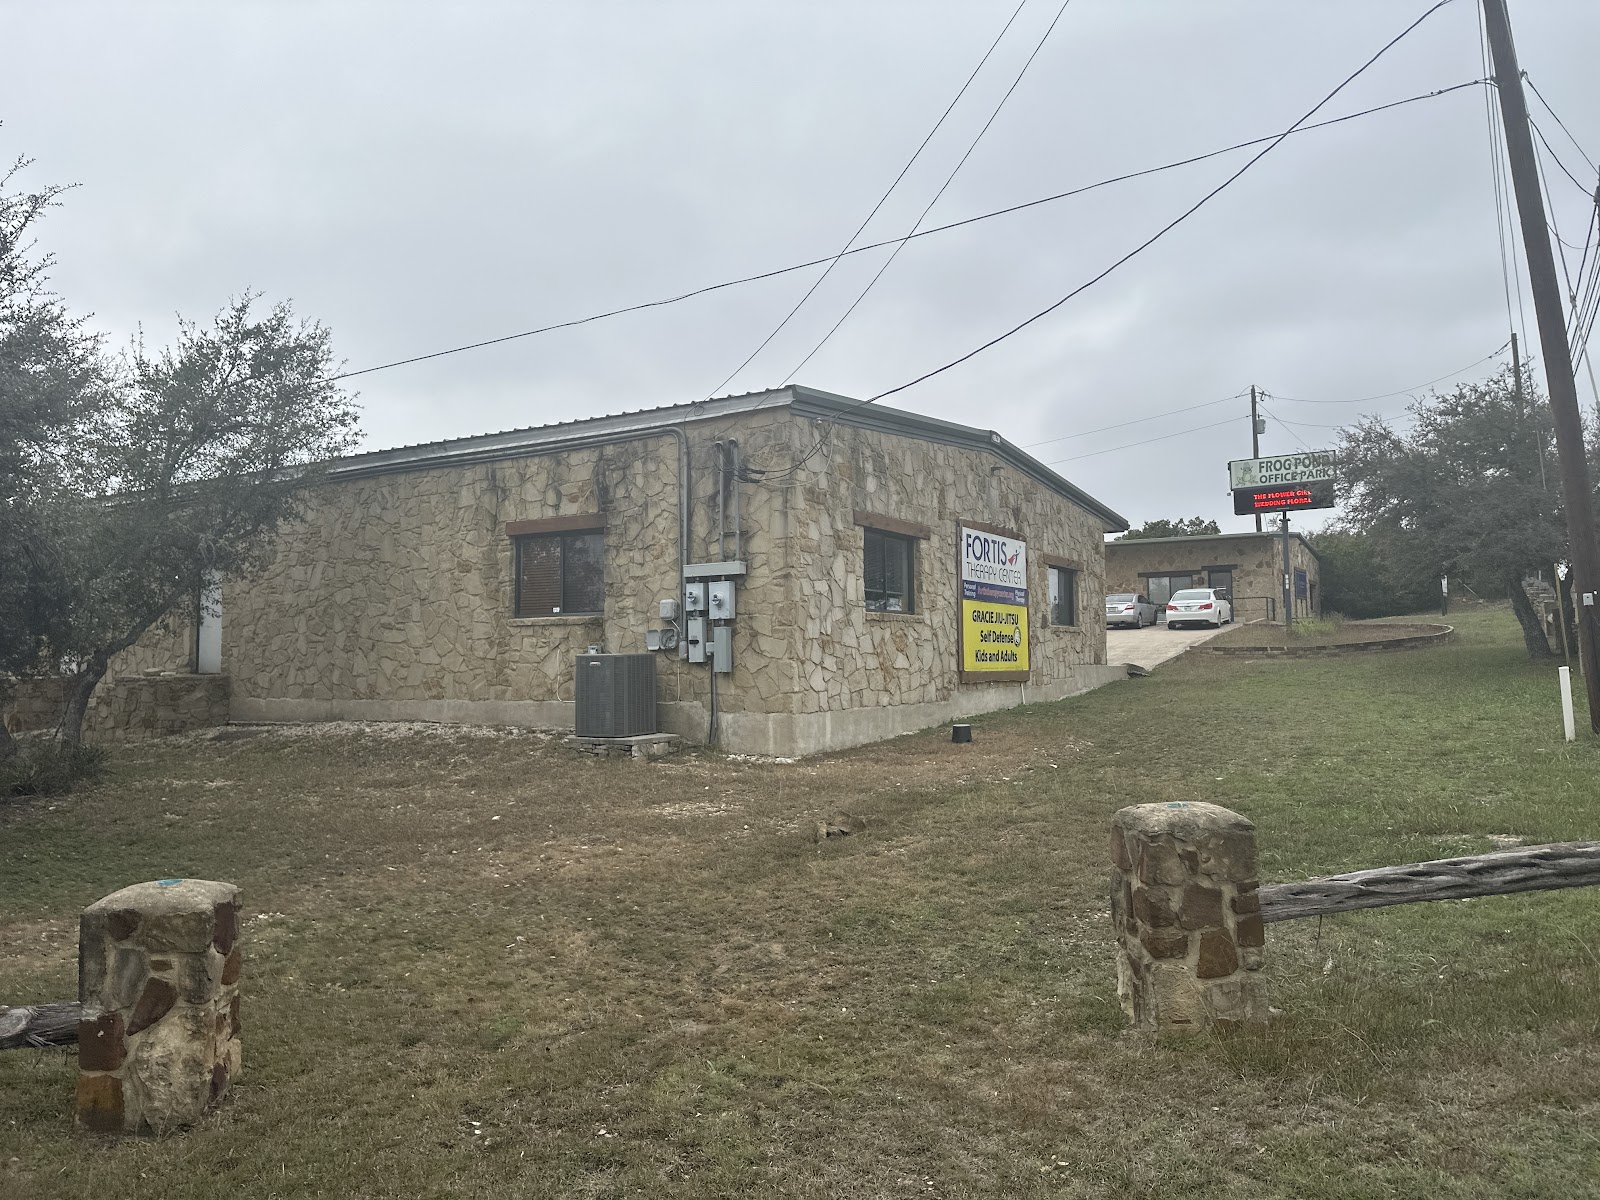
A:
[(1516, 375), (1552, 342), (1288, 581), (1255, 438)]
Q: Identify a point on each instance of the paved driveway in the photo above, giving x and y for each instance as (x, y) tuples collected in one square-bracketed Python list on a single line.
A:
[(1154, 645)]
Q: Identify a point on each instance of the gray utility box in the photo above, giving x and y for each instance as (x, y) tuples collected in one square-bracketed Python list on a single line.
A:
[(616, 695)]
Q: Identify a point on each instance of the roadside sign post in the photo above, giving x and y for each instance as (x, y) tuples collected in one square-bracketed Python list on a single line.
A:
[(1284, 484), (1288, 579)]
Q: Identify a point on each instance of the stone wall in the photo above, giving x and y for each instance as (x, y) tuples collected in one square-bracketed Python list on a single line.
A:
[(125, 708), (158, 978), (1190, 938), (1256, 559), (392, 599), (856, 675)]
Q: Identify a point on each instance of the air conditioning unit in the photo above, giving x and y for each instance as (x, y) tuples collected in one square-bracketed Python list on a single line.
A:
[(616, 695)]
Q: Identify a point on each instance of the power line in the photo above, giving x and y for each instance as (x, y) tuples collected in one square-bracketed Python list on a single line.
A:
[(834, 261), (1559, 121), (1067, 437), (1402, 391), (1556, 158), (1574, 314), (1502, 202), (1306, 424), (1147, 441), (868, 246), (923, 216), (1171, 225), (1284, 426)]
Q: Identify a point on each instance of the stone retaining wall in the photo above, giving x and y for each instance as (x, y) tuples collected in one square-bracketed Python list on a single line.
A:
[(125, 708), (1435, 635)]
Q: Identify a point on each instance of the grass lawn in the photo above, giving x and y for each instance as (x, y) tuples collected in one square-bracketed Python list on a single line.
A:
[(477, 965)]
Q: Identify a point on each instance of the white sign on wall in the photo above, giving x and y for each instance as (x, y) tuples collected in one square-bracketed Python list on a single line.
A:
[(993, 567)]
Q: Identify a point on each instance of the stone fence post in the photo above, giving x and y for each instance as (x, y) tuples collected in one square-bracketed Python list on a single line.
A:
[(1190, 942), (158, 977)]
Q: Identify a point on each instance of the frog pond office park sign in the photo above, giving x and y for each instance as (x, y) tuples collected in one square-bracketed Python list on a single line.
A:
[(1282, 484), (994, 606)]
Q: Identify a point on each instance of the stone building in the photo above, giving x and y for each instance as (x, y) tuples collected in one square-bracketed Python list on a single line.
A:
[(459, 581), (1250, 565)]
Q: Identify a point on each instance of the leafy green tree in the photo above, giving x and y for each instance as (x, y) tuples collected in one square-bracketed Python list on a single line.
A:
[(52, 375), (1182, 527), (194, 461), (1470, 486)]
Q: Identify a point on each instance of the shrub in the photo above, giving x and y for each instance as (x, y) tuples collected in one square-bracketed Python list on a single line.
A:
[(43, 766), (1316, 627)]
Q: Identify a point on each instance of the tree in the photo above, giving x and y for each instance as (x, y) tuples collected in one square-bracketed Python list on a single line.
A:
[(1377, 572), (193, 463), (1182, 527), (52, 375), (1470, 486)]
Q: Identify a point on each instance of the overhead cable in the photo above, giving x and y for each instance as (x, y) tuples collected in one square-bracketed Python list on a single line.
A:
[(1557, 117), (1171, 225), (1402, 391), (868, 246), (1147, 441), (850, 241), (1066, 437), (923, 216)]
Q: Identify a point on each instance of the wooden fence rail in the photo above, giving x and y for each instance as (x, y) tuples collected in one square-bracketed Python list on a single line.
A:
[(1527, 869), (39, 1025)]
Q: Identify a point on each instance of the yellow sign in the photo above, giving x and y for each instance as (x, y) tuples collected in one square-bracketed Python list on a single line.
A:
[(994, 637)]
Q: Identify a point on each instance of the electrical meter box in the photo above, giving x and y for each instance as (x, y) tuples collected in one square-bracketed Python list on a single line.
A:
[(719, 599), (694, 599)]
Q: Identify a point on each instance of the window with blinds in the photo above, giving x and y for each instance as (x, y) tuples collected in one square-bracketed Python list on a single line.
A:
[(890, 559), (560, 574)]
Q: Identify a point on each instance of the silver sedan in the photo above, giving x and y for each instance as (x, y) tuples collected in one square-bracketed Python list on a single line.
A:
[(1129, 608)]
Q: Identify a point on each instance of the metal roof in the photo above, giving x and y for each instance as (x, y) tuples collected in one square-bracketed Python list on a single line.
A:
[(1210, 537), (863, 414)]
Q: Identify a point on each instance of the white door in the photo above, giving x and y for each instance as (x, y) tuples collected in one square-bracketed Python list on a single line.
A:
[(208, 638)]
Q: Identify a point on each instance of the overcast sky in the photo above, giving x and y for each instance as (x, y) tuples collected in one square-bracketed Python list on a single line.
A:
[(417, 176)]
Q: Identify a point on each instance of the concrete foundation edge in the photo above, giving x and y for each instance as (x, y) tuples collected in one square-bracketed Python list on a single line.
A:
[(782, 735)]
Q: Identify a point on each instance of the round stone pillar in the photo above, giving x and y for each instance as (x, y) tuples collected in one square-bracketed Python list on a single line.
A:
[(158, 977), (1190, 942)]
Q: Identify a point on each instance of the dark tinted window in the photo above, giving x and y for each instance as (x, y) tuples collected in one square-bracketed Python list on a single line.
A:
[(888, 568), (1064, 596), (560, 573)]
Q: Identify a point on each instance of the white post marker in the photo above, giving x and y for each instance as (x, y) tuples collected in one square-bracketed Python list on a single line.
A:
[(1565, 674)]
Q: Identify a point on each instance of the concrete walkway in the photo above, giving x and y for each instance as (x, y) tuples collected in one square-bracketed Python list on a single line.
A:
[(1154, 645)]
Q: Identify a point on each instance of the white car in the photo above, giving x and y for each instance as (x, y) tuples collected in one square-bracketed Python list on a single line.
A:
[(1129, 608), (1199, 606)]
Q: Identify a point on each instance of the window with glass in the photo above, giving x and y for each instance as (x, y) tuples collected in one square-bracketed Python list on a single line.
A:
[(560, 574), (1063, 596), (888, 571), (1161, 587)]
